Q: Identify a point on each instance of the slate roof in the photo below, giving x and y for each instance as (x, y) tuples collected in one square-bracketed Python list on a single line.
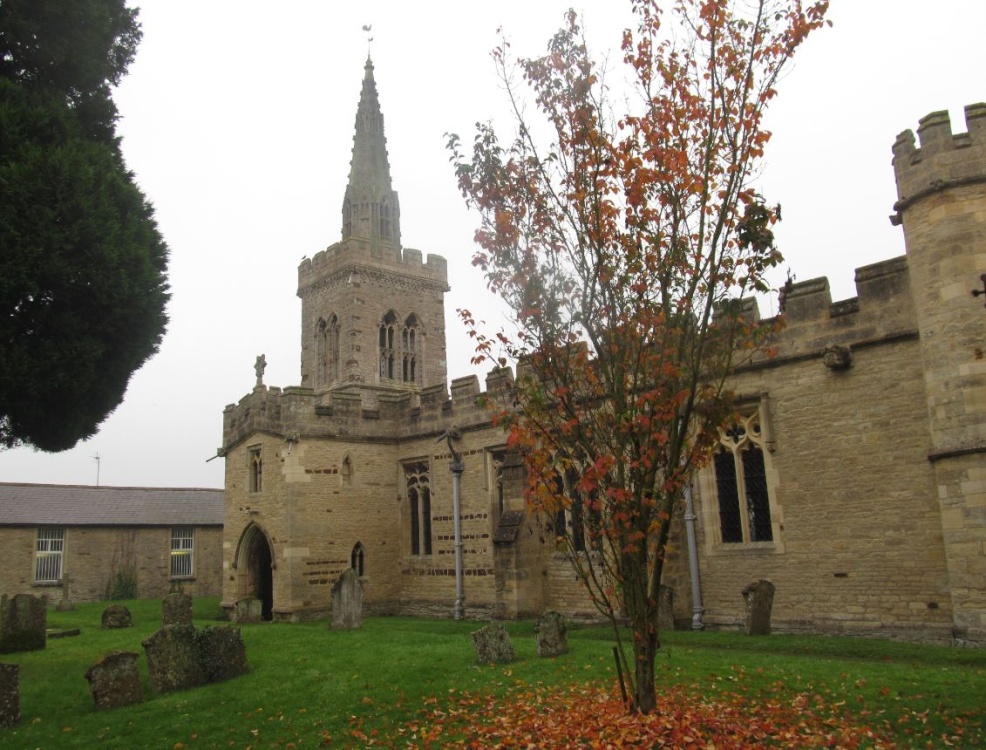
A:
[(81, 505)]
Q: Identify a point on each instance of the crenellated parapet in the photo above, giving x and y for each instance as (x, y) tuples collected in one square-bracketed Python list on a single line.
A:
[(357, 255), (296, 413), (941, 159), (882, 310)]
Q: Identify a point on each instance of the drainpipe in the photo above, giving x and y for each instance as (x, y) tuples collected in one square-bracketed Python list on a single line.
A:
[(456, 467), (690, 517)]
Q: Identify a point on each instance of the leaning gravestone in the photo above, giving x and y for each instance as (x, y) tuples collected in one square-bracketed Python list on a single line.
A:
[(114, 680), (173, 661), (759, 597), (221, 653), (551, 635), (347, 601), (117, 616), (23, 623), (10, 698), (248, 610), (665, 607), (493, 645), (177, 609)]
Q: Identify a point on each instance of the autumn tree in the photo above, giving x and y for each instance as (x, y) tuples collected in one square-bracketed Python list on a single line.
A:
[(627, 249), (83, 284)]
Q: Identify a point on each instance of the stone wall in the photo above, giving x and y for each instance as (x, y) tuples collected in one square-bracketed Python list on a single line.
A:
[(93, 554)]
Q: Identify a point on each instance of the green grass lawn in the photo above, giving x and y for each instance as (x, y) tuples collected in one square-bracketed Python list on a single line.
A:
[(312, 687)]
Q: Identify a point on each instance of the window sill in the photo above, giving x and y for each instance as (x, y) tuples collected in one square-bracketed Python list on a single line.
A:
[(747, 548), (180, 579), (47, 584)]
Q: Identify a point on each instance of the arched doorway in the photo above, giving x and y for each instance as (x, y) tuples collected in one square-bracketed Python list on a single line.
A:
[(255, 562), (262, 573)]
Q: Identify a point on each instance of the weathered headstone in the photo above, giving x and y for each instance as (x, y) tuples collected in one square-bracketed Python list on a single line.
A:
[(665, 607), (114, 680), (221, 652), (492, 644), (172, 659), (248, 610), (347, 601), (10, 697), (759, 597), (551, 635), (23, 623), (177, 609), (117, 616)]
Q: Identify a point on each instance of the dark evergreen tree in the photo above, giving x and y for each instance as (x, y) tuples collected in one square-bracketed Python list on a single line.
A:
[(83, 284)]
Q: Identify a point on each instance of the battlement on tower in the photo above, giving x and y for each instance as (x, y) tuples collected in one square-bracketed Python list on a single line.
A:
[(941, 159), (359, 252), (296, 413)]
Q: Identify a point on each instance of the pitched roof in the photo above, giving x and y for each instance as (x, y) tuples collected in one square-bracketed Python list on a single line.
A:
[(79, 505)]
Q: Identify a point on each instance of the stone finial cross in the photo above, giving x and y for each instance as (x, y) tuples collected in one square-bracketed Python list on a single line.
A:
[(259, 366)]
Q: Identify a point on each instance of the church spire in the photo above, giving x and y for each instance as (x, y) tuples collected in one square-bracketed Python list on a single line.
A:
[(370, 210)]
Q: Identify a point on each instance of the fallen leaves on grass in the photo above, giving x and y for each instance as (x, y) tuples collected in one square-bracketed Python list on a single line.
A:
[(592, 717)]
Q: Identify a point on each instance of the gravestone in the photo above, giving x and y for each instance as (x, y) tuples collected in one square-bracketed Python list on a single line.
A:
[(177, 609), (665, 608), (173, 661), (493, 645), (248, 610), (551, 635), (65, 603), (117, 616), (221, 652), (10, 697), (114, 680), (347, 601), (23, 623), (759, 597)]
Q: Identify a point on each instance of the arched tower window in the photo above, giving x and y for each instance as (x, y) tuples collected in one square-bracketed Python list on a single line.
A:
[(410, 350), (419, 507), (388, 346), (327, 351), (321, 352), (357, 559)]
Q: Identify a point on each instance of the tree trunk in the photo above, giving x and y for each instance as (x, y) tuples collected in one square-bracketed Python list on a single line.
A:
[(645, 645)]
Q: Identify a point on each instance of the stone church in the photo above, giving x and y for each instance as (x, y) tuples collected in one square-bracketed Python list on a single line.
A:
[(857, 484)]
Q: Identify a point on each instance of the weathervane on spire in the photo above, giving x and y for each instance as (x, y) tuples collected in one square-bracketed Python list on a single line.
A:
[(367, 28)]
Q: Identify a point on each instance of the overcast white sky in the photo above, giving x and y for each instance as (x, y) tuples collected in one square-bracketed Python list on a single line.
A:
[(237, 118)]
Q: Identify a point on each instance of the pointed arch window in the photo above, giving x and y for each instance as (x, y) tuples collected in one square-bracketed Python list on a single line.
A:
[(388, 346), (327, 351), (357, 559), (410, 350), (418, 489), (741, 484)]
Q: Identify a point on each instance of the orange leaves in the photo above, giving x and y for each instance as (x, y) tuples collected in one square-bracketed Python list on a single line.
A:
[(590, 716)]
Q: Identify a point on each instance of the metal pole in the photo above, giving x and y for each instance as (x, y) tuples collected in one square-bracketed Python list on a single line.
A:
[(690, 517), (456, 468)]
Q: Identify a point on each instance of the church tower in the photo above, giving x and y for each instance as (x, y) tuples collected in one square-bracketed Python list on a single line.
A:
[(942, 206), (373, 314)]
